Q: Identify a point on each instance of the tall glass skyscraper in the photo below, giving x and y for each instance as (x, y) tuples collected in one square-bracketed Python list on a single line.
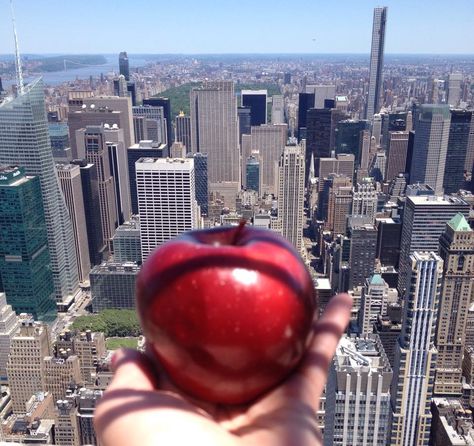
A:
[(24, 256), (376, 63), (25, 142)]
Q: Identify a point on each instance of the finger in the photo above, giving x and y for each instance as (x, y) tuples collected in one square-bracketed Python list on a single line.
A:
[(327, 333), (132, 370)]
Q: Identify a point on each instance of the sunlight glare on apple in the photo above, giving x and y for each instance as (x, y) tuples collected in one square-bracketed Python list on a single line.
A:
[(245, 276)]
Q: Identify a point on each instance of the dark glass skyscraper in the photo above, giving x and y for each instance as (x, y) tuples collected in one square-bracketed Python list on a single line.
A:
[(24, 256), (166, 104), (201, 178), (376, 63), (459, 129), (256, 100), (348, 137), (305, 102), (124, 67), (253, 173), (244, 122)]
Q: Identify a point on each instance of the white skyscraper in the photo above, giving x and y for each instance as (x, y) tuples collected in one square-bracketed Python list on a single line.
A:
[(454, 89), (24, 141), (278, 109), (166, 200), (215, 131), (376, 62), (415, 359), (9, 325), (364, 201), (291, 194)]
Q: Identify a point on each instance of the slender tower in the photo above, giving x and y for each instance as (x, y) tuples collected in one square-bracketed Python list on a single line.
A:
[(415, 359), (376, 62), (25, 142)]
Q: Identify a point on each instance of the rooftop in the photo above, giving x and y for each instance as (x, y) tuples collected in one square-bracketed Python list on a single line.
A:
[(459, 223)]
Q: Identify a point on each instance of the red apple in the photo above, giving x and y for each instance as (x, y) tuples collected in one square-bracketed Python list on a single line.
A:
[(228, 311)]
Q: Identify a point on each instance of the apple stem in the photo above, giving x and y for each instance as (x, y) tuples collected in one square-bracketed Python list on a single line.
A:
[(239, 229)]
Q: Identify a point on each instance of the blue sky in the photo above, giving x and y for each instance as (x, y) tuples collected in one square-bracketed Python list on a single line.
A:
[(235, 26)]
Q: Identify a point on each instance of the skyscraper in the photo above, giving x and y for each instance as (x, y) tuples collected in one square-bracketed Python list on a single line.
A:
[(305, 102), (166, 104), (97, 153), (183, 130), (278, 109), (430, 146), (124, 68), (460, 129), (456, 248), (454, 89), (24, 141), (362, 256), (397, 154), (376, 63), (424, 220), (269, 140), (24, 257), (202, 184), (364, 201), (358, 393), (154, 125), (25, 367), (9, 325), (256, 100), (415, 358), (71, 185), (243, 114), (348, 137), (253, 173), (291, 175), (214, 130), (172, 208)]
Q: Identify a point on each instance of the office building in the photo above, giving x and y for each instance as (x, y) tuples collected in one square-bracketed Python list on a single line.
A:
[(305, 102), (71, 184), (364, 201), (375, 298), (113, 285), (33, 152), (144, 149), (89, 347), (388, 327), (166, 200), (348, 138), (183, 130), (321, 134), (452, 423), (66, 428), (252, 172), (9, 325), (339, 203), (160, 101), (291, 173), (124, 67), (343, 164), (97, 153), (424, 220), (430, 146), (461, 137), (90, 194), (25, 263), (202, 184), (269, 140), (415, 358), (322, 93), (60, 373), (456, 248), (454, 89), (126, 242), (256, 100), (214, 130), (397, 146), (153, 125), (362, 254), (59, 136), (375, 92), (25, 367), (358, 393), (243, 114), (393, 122), (378, 169), (278, 109), (389, 232)]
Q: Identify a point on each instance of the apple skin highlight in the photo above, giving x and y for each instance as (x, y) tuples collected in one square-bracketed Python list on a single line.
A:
[(228, 311)]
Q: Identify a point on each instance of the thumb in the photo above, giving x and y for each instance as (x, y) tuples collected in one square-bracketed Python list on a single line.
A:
[(132, 370)]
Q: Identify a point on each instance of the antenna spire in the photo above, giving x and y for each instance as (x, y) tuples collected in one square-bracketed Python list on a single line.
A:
[(19, 73)]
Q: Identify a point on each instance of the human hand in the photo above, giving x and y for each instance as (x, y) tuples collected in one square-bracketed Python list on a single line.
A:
[(142, 409)]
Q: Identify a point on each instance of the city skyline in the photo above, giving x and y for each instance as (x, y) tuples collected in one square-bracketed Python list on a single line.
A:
[(260, 21)]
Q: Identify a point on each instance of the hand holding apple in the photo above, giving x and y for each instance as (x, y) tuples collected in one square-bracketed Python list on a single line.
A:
[(228, 311)]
